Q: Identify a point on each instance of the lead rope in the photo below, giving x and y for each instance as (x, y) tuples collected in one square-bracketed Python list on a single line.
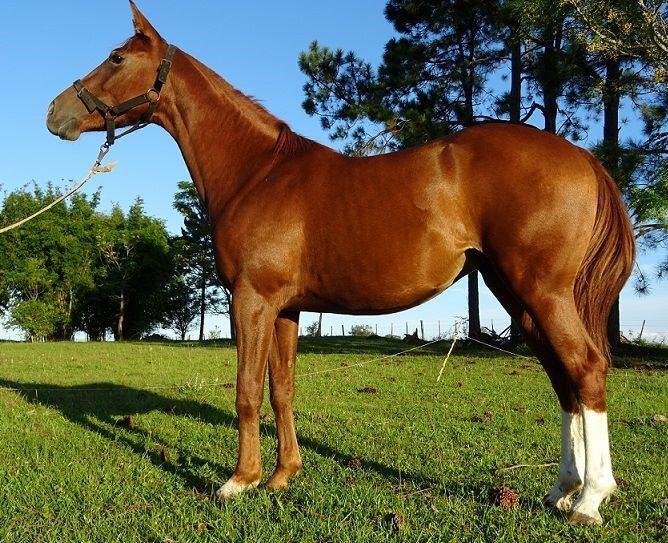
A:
[(95, 169)]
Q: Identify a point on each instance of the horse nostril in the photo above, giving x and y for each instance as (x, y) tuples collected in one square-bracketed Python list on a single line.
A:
[(52, 106)]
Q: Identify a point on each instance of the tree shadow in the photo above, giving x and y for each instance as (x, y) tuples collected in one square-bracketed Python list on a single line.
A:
[(97, 406)]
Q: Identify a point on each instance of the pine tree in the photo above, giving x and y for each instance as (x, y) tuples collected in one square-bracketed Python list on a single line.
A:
[(197, 246)]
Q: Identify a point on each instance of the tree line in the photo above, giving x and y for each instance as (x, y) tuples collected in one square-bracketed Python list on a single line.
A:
[(589, 70), (78, 269)]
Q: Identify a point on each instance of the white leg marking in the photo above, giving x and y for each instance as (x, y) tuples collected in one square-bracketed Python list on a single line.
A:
[(599, 482), (571, 463), (231, 489)]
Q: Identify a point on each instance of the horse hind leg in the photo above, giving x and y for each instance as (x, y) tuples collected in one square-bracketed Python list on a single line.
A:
[(572, 458), (585, 367)]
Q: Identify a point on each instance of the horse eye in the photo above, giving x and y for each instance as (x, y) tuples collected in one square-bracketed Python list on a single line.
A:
[(115, 58)]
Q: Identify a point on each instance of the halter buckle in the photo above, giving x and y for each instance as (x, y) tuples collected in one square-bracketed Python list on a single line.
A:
[(152, 95)]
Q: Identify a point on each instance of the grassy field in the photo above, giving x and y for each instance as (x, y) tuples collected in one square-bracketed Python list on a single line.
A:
[(408, 459)]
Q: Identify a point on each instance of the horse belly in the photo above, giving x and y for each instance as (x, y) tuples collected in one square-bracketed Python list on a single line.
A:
[(386, 280)]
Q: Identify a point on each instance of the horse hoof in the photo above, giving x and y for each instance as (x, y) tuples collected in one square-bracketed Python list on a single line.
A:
[(559, 496), (277, 483), (232, 489), (281, 477), (585, 519), (562, 503)]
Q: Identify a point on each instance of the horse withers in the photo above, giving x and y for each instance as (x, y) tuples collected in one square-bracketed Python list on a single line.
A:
[(299, 227)]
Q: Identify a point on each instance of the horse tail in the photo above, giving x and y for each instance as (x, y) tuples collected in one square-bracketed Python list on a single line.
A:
[(609, 259)]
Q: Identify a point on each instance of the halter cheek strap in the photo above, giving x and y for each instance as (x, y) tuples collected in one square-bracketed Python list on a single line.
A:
[(110, 113)]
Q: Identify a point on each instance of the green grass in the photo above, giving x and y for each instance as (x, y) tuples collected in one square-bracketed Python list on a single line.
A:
[(68, 473)]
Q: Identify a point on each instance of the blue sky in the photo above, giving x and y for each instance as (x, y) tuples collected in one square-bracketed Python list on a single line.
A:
[(44, 46)]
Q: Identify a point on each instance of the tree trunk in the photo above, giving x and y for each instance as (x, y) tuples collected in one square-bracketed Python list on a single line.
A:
[(550, 84), (515, 79), (202, 307), (473, 295), (121, 318), (233, 325), (611, 100), (515, 114), (474, 305)]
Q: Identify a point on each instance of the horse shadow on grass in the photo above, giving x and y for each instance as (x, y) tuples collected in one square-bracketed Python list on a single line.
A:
[(104, 408)]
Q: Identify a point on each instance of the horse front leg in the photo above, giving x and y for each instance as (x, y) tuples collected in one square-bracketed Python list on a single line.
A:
[(282, 361), (254, 317)]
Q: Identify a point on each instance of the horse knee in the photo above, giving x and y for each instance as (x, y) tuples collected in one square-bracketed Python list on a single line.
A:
[(281, 399), (248, 404)]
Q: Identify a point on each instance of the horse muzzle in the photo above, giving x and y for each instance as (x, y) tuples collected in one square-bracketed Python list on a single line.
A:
[(68, 129)]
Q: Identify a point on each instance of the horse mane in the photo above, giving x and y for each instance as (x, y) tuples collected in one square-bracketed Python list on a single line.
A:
[(291, 143), (288, 141)]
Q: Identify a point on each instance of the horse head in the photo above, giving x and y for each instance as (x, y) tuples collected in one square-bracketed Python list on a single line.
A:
[(127, 72)]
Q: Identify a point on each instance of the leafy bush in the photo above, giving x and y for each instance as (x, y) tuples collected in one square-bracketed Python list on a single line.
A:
[(361, 330)]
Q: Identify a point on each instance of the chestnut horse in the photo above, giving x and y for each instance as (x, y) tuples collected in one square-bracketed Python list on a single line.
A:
[(300, 227)]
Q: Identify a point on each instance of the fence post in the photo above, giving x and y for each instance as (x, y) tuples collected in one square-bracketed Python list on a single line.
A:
[(406, 327), (343, 332), (439, 328), (422, 328), (392, 329), (331, 330)]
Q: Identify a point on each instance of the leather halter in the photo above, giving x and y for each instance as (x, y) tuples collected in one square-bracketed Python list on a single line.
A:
[(110, 113)]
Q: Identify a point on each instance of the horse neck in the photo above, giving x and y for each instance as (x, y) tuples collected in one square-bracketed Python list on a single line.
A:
[(226, 139)]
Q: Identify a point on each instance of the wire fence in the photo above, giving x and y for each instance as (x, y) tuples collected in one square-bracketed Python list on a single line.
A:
[(650, 330), (655, 331)]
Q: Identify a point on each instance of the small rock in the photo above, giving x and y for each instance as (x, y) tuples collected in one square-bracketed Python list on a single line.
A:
[(354, 463), (396, 521), (540, 421), (659, 419), (662, 526), (486, 417), (125, 422), (368, 390)]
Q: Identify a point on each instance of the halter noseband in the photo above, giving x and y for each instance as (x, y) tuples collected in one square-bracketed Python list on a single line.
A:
[(110, 113)]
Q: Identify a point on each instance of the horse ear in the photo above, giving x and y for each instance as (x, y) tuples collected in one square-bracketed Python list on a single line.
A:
[(142, 26)]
